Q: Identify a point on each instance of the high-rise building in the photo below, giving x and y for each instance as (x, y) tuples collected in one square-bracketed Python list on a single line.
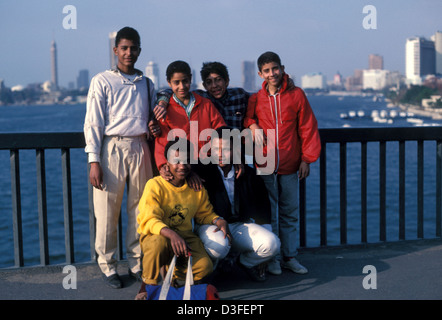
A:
[(54, 70), (354, 82), (83, 79), (153, 72), (248, 76), (113, 57), (419, 59), (375, 62), (315, 81), (438, 49)]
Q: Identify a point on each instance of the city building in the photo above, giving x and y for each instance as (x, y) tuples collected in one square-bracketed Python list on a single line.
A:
[(376, 79), (54, 70), (354, 82), (419, 59), (314, 81), (337, 83), (83, 79), (153, 72), (113, 57), (376, 62), (248, 76), (438, 48)]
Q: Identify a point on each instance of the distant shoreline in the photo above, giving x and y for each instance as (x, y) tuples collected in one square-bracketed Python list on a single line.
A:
[(435, 114)]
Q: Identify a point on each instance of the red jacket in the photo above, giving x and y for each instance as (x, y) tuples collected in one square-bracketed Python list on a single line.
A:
[(296, 136), (204, 115)]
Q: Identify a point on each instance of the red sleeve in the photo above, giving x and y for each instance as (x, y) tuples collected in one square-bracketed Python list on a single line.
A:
[(308, 131), (216, 117), (250, 117), (160, 144)]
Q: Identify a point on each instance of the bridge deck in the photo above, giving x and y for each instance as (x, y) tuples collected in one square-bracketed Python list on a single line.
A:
[(405, 270)]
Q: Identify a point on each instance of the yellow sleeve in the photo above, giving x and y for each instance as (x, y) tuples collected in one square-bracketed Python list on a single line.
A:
[(205, 213), (151, 216)]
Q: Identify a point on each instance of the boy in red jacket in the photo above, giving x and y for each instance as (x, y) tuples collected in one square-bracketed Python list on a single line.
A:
[(188, 114), (283, 124)]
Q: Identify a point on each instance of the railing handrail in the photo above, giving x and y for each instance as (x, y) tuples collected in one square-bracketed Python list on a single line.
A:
[(75, 140), (60, 140), (380, 134), (42, 140)]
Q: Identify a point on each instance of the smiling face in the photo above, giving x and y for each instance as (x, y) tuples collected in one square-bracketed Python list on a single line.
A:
[(215, 85), (127, 52), (179, 166), (180, 85), (272, 73)]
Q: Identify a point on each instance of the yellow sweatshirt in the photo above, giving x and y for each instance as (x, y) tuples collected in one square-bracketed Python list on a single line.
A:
[(164, 205)]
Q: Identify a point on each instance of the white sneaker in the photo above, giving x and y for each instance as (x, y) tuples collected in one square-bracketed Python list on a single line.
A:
[(294, 265), (274, 267)]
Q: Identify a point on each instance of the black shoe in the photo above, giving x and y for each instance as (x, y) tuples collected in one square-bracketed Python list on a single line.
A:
[(254, 273), (136, 275), (113, 281)]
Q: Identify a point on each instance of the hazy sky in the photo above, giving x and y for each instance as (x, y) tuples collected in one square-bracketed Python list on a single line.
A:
[(310, 36)]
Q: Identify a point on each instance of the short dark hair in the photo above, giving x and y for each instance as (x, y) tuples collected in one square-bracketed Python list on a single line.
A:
[(230, 137), (268, 57), (129, 34), (178, 140), (178, 67), (214, 67)]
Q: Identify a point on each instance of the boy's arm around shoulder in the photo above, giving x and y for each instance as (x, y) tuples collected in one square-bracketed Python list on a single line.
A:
[(151, 215), (250, 117)]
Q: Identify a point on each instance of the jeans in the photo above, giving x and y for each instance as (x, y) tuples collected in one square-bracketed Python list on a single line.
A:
[(255, 243), (283, 195)]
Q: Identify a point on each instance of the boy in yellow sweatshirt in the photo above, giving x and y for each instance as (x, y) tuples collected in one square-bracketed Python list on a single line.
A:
[(165, 220)]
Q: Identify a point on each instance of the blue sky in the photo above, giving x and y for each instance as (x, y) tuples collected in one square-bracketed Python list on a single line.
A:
[(310, 36)]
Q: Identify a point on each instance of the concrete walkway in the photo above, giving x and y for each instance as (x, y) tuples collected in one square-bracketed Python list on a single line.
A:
[(401, 271)]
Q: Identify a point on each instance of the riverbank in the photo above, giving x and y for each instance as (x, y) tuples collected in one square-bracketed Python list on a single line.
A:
[(433, 113)]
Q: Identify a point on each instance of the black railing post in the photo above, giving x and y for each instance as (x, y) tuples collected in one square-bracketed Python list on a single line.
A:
[(42, 207), (323, 194), (16, 208), (420, 189), (382, 191), (343, 192), (67, 205), (92, 220), (401, 190), (438, 188), (364, 192), (302, 213)]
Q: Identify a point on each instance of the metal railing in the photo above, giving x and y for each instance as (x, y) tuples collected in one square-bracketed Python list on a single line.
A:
[(14, 142), (379, 135)]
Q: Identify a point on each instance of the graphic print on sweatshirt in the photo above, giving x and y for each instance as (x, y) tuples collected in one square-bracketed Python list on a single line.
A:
[(177, 216)]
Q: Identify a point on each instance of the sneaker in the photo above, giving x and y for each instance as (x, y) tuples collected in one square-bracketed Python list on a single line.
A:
[(274, 267), (294, 265), (136, 275), (113, 281)]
